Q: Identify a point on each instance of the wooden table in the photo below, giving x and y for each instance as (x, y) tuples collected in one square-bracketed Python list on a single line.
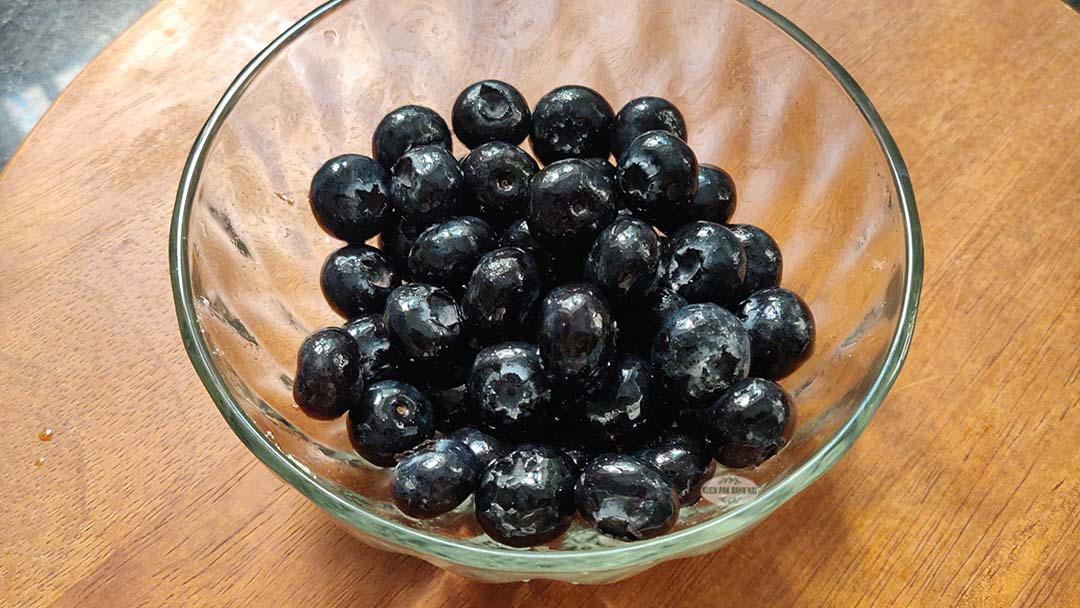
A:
[(963, 490)]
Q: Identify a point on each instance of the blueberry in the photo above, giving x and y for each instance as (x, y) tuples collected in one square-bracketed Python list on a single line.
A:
[(485, 447), (451, 409), (425, 185), (700, 352), (526, 497), (349, 197), (683, 457), (764, 264), (518, 235), (657, 172), (424, 323), (747, 425), (391, 417), (640, 319), (508, 391), (623, 259), (714, 201), (781, 329), (571, 122), (626, 498), (625, 411), (434, 478), (703, 262), (501, 296), (378, 361), (491, 110), (570, 201), (579, 456), (395, 241), (576, 337), (327, 374), (645, 114), (496, 185), (357, 279), (405, 128), (446, 253)]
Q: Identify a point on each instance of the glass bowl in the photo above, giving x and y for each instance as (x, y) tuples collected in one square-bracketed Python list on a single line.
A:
[(814, 164)]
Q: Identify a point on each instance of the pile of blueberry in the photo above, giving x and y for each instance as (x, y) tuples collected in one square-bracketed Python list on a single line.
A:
[(582, 337)]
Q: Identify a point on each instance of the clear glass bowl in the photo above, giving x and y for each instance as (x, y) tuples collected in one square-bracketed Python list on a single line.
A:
[(814, 164)]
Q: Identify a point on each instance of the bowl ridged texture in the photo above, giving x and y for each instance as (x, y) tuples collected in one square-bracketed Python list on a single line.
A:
[(822, 179)]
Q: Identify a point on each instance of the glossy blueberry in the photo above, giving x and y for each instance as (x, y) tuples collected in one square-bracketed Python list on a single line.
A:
[(357, 279), (349, 197), (484, 446), (640, 319), (391, 417), (501, 296), (576, 337), (327, 374), (626, 498), (764, 264), (570, 202), (491, 110), (424, 322), (700, 352), (642, 115), (578, 455), (497, 179), (395, 241), (451, 409), (703, 262), (747, 425), (624, 412), (656, 173), (714, 201), (405, 128), (442, 372), (434, 478), (378, 360), (446, 252), (425, 185), (508, 391), (683, 457), (526, 497), (781, 329), (623, 259), (571, 122), (517, 234)]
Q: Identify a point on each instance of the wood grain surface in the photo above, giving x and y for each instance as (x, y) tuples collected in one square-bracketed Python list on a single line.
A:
[(962, 492)]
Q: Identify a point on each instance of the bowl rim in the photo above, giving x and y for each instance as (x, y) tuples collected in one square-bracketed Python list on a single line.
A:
[(483, 558)]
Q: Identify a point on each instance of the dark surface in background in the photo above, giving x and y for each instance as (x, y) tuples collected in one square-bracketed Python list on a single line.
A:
[(1073, 3)]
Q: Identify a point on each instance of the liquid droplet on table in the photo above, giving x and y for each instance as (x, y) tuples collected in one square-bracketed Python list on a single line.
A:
[(45, 435), (40, 461)]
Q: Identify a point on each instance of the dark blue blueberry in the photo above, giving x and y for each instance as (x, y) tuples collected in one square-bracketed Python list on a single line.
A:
[(497, 179), (357, 279), (700, 352), (703, 262), (714, 201), (424, 323), (406, 128), (501, 296), (425, 185), (657, 172), (349, 197), (781, 329), (624, 412), (623, 259), (747, 425), (526, 497), (645, 114), (434, 478), (395, 241), (491, 110), (508, 391), (327, 374), (570, 202), (683, 457), (485, 447), (572, 122), (639, 320), (390, 418), (576, 337), (451, 408), (626, 498), (446, 253), (378, 360), (764, 264)]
